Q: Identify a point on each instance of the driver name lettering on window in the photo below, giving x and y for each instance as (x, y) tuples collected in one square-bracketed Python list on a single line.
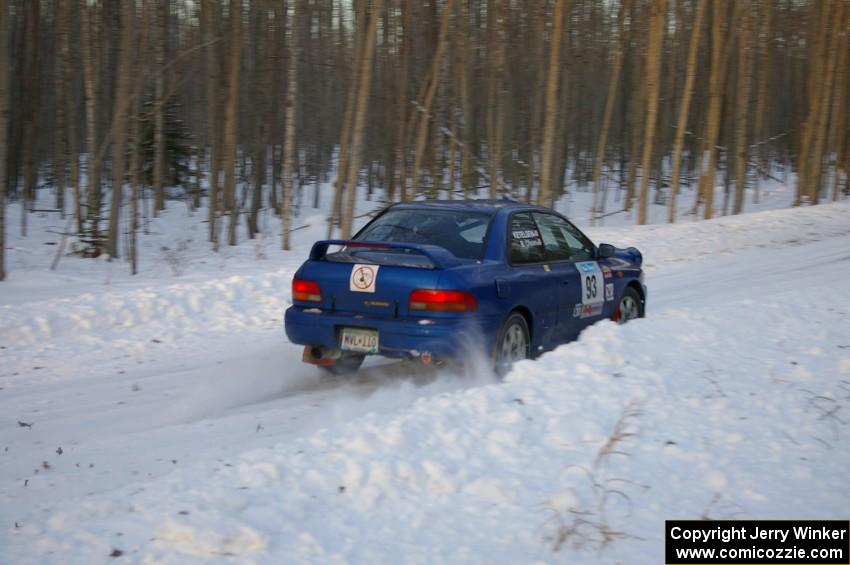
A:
[(526, 234)]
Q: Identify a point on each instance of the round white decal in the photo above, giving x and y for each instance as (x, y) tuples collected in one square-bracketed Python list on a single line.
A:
[(363, 278)]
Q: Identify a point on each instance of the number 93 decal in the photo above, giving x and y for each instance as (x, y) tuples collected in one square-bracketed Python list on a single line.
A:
[(592, 285)]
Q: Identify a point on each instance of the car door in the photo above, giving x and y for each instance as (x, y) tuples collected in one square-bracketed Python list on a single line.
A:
[(532, 281), (572, 256)]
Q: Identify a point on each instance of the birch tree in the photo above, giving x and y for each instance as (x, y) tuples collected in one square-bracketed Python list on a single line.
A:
[(742, 109), (653, 70), (210, 15), (119, 122), (33, 19), (5, 16), (231, 118), (616, 66), (551, 115), (717, 78), (68, 77), (288, 174), (136, 136), (162, 9), (840, 107), (91, 87), (348, 122), (423, 111), (821, 124), (360, 119), (684, 108), (765, 27)]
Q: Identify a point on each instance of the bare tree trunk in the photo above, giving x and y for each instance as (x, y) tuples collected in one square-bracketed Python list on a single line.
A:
[(424, 110), (159, 107), (210, 17), (342, 166), (815, 80), (33, 17), (840, 110), (278, 45), (136, 135), (451, 183), (437, 149), (121, 108), (262, 77), (821, 125), (91, 79), (231, 118), (198, 115), (387, 169), (59, 126), (5, 16), (288, 175), (468, 173), (70, 99), (616, 66), (403, 102), (551, 112), (684, 108), (347, 123), (764, 39), (496, 121), (653, 70), (360, 119), (635, 125), (537, 15), (743, 99), (708, 160)]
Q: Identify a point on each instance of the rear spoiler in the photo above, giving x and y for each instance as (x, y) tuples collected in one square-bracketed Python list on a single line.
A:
[(439, 256)]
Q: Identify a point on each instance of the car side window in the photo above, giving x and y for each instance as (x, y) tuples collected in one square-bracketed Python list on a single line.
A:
[(526, 244), (556, 246), (562, 239)]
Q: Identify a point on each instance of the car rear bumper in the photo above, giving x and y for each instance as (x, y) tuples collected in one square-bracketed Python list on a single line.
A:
[(397, 337)]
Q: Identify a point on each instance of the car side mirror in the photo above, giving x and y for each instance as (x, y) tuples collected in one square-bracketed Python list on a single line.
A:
[(605, 250)]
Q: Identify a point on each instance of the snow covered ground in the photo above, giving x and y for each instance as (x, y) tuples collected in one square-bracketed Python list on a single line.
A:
[(166, 419)]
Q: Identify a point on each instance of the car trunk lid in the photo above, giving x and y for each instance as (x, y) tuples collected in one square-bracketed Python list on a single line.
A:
[(374, 279)]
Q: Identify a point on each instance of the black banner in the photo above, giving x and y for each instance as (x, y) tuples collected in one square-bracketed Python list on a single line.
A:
[(758, 542)]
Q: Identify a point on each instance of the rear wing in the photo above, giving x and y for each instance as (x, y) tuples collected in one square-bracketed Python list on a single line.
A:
[(439, 257)]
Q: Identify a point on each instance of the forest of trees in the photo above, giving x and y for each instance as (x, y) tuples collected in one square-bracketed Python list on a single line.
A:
[(120, 108)]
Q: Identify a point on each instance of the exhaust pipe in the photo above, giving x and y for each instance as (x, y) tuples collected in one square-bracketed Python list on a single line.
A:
[(318, 355)]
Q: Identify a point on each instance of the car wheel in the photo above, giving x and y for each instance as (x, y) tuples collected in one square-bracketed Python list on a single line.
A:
[(513, 343), (630, 306), (345, 365)]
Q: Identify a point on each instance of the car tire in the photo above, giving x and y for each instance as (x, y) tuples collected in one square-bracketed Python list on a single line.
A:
[(630, 306), (512, 344), (345, 365)]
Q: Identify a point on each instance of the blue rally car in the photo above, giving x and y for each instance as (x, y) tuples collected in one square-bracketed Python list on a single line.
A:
[(428, 280)]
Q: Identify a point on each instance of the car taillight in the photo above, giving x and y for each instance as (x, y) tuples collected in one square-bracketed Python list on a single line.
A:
[(306, 291), (426, 300)]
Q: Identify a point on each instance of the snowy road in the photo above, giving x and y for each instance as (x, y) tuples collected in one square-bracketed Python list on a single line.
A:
[(132, 401), (750, 274), (258, 391)]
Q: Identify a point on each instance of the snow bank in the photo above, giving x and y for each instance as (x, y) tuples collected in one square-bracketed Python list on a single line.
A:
[(78, 338), (729, 401), (688, 241), (737, 412), (227, 304)]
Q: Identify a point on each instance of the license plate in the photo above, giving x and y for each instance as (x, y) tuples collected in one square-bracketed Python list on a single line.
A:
[(359, 340)]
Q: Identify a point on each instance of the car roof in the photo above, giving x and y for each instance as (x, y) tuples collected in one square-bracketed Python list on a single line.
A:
[(477, 205)]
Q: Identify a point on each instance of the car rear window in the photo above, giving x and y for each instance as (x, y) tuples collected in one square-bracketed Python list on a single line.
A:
[(461, 232)]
